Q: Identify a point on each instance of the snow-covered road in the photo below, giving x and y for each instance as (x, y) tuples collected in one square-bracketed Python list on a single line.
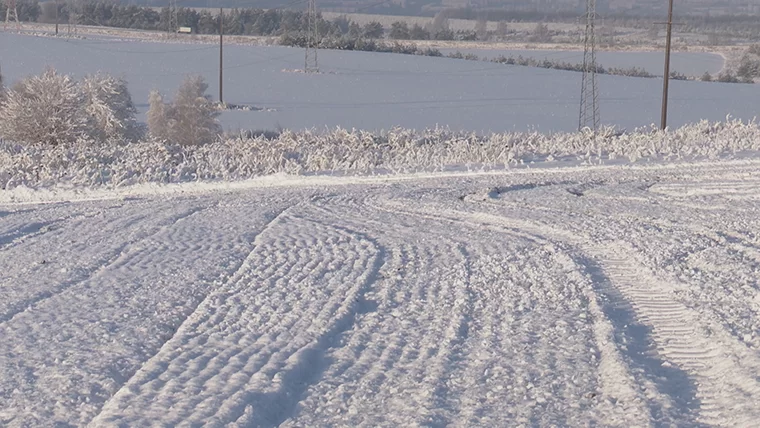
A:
[(566, 297)]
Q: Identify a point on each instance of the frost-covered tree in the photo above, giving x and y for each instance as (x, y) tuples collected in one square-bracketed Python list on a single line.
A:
[(44, 109), (440, 22), (189, 120), (399, 31), (54, 109), (194, 114), (502, 29), (373, 30), (481, 29), (540, 34), (157, 116), (109, 107)]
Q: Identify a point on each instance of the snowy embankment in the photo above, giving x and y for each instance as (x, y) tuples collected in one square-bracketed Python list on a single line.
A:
[(604, 296), (88, 165)]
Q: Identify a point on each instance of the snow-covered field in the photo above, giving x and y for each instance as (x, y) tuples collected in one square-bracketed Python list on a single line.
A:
[(375, 91), (605, 296)]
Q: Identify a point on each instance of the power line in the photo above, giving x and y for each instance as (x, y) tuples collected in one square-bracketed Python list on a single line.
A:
[(162, 52)]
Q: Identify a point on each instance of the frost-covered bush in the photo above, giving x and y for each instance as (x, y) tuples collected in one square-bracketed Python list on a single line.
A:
[(189, 120), (53, 109), (157, 116), (86, 163), (109, 107), (44, 109)]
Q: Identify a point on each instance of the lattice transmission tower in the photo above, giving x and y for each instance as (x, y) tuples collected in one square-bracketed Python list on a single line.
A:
[(173, 26), (311, 65), (589, 114), (11, 14)]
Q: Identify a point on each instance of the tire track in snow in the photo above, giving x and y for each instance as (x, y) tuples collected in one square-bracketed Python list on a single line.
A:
[(23, 319), (251, 348), (83, 343), (19, 230), (241, 269), (115, 257), (29, 230), (724, 371), (615, 373), (382, 379), (416, 332), (719, 389)]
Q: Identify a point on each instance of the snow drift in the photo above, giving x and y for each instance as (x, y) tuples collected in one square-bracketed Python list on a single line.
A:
[(87, 163)]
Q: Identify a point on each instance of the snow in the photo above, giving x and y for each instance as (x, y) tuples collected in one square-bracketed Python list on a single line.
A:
[(613, 295), (375, 91), (85, 164)]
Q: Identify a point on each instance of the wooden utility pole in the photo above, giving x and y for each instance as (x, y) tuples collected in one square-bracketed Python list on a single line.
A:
[(221, 57), (666, 77), (56, 17)]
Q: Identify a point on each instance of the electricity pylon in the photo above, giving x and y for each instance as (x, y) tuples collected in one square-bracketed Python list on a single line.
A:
[(173, 22), (11, 13), (311, 65), (589, 113)]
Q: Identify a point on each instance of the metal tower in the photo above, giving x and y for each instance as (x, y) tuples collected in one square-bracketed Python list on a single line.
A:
[(311, 65), (589, 114), (173, 26), (11, 13)]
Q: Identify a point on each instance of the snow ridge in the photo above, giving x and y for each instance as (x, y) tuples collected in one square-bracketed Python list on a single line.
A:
[(112, 164)]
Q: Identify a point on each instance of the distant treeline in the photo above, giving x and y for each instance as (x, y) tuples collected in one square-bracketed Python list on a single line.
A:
[(244, 21), (28, 10), (732, 25)]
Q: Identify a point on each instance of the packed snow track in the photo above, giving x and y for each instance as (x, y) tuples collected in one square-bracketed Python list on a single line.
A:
[(596, 296)]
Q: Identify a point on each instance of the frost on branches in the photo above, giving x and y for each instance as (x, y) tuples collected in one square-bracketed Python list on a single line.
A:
[(47, 109), (88, 163), (189, 120), (53, 109), (109, 107)]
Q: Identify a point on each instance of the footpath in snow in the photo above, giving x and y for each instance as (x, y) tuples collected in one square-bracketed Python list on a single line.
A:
[(609, 296)]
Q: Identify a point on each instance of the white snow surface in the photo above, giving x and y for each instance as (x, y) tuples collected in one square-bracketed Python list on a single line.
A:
[(85, 165), (375, 91), (586, 296)]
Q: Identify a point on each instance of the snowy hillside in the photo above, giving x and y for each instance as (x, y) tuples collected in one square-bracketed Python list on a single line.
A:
[(611, 296), (375, 91)]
